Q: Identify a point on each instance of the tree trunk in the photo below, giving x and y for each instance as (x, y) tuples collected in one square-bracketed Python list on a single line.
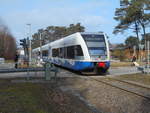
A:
[(137, 34), (136, 30)]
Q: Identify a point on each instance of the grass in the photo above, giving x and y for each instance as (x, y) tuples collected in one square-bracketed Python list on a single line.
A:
[(120, 64), (37, 98), (21, 98), (27, 97), (9, 61), (141, 78)]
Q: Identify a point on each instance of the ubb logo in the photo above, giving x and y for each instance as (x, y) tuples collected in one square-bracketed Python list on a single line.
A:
[(71, 62)]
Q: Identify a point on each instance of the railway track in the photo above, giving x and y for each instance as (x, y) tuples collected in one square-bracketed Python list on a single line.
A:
[(128, 82), (132, 88)]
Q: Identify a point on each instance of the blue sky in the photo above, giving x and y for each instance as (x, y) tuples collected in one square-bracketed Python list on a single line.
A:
[(95, 15)]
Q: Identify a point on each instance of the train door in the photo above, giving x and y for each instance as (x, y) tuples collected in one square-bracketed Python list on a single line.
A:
[(49, 52)]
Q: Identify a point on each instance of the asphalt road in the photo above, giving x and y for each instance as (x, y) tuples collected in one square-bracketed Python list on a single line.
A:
[(123, 70), (7, 65), (66, 73)]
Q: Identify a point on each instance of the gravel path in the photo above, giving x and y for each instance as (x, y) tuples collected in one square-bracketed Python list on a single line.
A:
[(137, 90), (105, 98)]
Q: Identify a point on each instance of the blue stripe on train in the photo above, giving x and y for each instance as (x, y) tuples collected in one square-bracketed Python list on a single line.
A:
[(82, 65), (77, 65), (107, 64)]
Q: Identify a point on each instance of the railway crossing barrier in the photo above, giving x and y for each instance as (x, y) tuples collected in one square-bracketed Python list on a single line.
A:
[(49, 69), (14, 70)]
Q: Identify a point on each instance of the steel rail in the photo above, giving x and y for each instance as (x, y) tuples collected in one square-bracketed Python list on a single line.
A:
[(104, 82), (134, 84), (115, 86)]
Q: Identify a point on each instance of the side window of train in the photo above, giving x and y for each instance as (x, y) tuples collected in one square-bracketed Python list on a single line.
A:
[(45, 53), (70, 52), (49, 52), (55, 52), (61, 52), (65, 52), (78, 50)]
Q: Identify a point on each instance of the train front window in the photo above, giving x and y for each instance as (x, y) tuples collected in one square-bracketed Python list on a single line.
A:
[(96, 44)]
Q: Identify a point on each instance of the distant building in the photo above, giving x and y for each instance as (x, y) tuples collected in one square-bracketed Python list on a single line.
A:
[(21, 51), (120, 52)]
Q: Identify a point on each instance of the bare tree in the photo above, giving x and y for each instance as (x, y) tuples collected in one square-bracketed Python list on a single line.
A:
[(7, 42)]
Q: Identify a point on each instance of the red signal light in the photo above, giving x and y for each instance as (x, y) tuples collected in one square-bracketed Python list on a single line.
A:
[(101, 64)]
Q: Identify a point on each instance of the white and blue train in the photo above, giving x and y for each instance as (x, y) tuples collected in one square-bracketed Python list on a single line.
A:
[(79, 52)]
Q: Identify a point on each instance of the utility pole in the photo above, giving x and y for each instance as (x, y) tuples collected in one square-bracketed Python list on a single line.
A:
[(30, 49), (40, 45), (148, 56)]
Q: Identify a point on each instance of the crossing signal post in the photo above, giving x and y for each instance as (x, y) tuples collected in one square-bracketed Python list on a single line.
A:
[(26, 43), (23, 42)]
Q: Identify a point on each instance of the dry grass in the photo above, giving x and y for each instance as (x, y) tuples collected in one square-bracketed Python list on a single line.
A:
[(140, 78), (120, 64), (126, 64), (9, 61), (37, 98)]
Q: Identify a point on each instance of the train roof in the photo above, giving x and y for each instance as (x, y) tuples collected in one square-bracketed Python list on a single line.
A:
[(78, 33), (44, 47), (36, 49)]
